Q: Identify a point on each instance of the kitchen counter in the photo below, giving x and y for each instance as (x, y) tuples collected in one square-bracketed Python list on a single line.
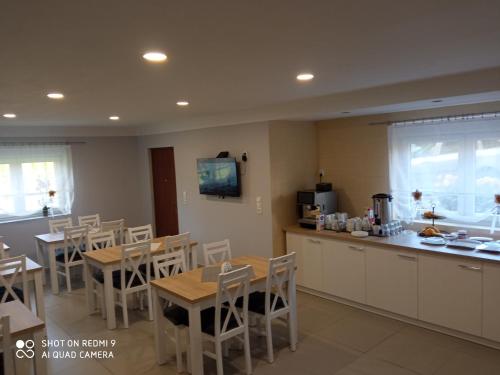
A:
[(401, 241)]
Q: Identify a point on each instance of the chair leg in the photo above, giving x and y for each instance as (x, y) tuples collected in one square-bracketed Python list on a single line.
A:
[(290, 330), (218, 356), (68, 278), (248, 357), (178, 350), (102, 302), (124, 309), (269, 340), (150, 304), (188, 352)]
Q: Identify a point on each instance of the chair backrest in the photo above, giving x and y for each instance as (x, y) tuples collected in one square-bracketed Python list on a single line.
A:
[(216, 252), (93, 221), (178, 242), (74, 240), (3, 255), (231, 286), (6, 345), (11, 271), (133, 255), (117, 226), (100, 240), (280, 283), (169, 264), (58, 225), (139, 234)]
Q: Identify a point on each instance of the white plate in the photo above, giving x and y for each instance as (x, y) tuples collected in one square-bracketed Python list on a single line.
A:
[(437, 241), (482, 239), (359, 233), (492, 247), (464, 244)]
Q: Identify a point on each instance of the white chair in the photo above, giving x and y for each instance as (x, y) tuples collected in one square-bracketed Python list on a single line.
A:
[(93, 221), (131, 279), (216, 252), (168, 265), (269, 305), (74, 242), (10, 271), (58, 225), (181, 242), (3, 254), (6, 345), (226, 321), (98, 241), (117, 226), (139, 234)]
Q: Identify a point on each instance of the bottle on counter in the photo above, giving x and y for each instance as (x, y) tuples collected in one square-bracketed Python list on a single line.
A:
[(320, 222)]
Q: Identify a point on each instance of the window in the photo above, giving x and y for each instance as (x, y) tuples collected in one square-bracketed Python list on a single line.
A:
[(456, 165), (27, 174)]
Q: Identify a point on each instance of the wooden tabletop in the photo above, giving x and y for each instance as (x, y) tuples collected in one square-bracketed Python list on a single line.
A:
[(31, 266), (22, 320), (189, 287), (51, 237), (113, 254)]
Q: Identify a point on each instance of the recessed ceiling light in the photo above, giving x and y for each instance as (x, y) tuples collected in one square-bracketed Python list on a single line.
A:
[(305, 77), (182, 103), (114, 118), (155, 56), (437, 100), (9, 115), (55, 95)]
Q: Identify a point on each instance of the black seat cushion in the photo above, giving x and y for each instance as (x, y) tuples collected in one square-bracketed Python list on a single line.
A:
[(257, 302), (128, 275), (60, 257), (143, 269), (177, 315), (208, 320), (18, 291), (99, 276)]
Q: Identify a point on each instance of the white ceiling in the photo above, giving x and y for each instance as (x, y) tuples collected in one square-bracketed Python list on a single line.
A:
[(227, 57)]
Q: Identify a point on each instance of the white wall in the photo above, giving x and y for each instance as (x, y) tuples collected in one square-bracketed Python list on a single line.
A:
[(105, 175), (209, 218)]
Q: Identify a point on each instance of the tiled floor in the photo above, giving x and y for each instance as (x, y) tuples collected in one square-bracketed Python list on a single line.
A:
[(334, 339)]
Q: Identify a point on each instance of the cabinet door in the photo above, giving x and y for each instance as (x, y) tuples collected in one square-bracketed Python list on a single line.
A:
[(312, 260), (294, 244), (344, 270), (450, 292), (392, 281), (491, 301)]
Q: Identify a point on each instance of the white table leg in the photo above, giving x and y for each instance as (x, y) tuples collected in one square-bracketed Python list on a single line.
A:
[(39, 296), (159, 330), (39, 256), (87, 269), (109, 297), (39, 362), (293, 317), (195, 343), (54, 283)]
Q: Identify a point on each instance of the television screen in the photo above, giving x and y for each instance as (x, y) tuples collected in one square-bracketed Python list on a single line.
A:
[(219, 176)]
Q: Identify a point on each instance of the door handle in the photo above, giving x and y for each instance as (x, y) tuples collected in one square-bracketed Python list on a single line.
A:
[(356, 248), (408, 257), (470, 268)]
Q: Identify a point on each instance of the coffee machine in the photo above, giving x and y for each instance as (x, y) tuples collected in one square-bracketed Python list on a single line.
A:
[(382, 208), (311, 203)]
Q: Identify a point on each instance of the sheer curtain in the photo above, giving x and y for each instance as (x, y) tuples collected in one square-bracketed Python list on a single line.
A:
[(455, 164), (28, 172)]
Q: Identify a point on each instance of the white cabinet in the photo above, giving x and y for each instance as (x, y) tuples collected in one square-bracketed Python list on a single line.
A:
[(392, 281), (309, 258), (491, 301), (450, 292), (344, 270)]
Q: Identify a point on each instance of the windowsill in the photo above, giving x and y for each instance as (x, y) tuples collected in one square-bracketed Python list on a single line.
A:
[(33, 218), (452, 227)]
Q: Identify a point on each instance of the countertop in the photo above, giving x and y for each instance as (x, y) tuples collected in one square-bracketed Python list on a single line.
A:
[(403, 241)]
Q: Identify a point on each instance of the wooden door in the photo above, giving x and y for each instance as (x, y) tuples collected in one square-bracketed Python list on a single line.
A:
[(164, 191)]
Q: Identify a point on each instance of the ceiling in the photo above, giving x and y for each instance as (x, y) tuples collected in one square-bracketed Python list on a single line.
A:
[(227, 57)]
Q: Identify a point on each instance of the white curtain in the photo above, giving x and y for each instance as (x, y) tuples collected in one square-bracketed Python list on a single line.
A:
[(455, 164), (28, 172)]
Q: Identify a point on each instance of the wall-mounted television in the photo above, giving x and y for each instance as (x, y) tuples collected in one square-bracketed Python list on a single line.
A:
[(219, 176)]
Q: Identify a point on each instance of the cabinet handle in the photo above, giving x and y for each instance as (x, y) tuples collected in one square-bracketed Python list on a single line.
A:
[(470, 268), (356, 248), (409, 257), (314, 241)]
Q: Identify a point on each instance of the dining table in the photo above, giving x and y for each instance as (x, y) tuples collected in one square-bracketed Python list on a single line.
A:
[(108, 260), (49, 243), (34, 273), (190, 291), (26, 326)]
